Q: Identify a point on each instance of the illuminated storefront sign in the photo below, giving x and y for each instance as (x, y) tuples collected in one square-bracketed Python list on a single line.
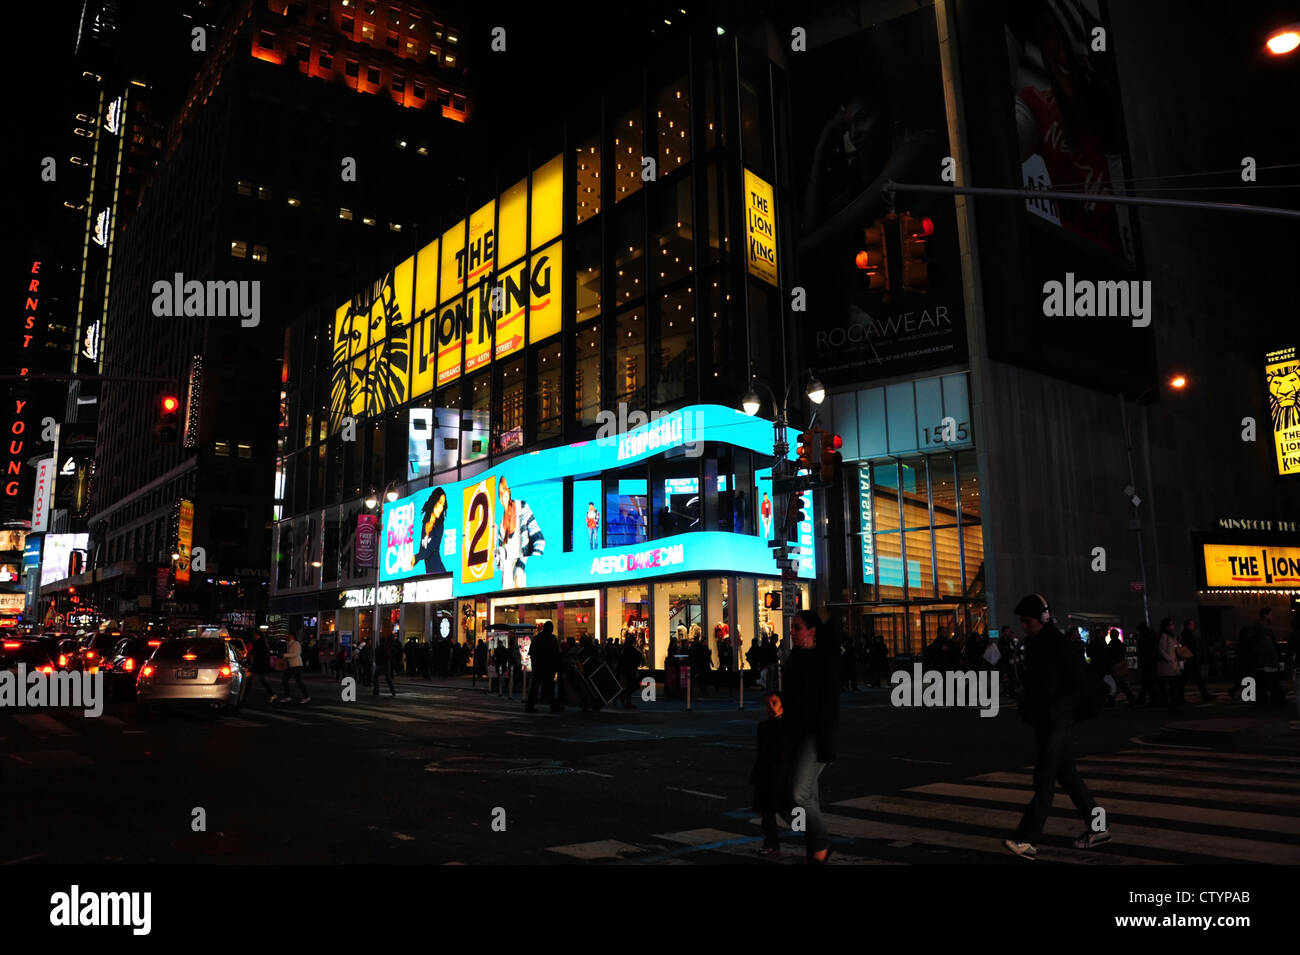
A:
[(1282, 372), (428, 591), (760, 228), (12, 540), (41, 499), (479, 292), (504, 529), (364, 597), (18, 424), (1247, 565), (31, 554), (864, 506), (184, 541), (113, 116)]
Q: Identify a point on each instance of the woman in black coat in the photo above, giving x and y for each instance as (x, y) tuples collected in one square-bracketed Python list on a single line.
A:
[(812, 720)]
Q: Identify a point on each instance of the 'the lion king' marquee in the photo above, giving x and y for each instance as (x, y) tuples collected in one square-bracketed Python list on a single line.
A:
[(479, 292)]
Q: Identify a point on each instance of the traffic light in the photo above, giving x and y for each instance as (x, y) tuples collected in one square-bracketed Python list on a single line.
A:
[(873, 260), (831, 457), (795, 516), (772, 600), (165, 428), (914, 232), (807, 450)]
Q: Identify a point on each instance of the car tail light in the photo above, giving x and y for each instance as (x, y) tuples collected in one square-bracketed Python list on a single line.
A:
[(63, 659), (155, 643), (146, 671), (90, 654), (106, 665), (224, 674), (47, 669), (128, 665), (12, 644), (189, 656)]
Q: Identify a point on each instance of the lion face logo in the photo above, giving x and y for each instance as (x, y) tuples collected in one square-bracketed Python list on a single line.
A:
[(371, 353), (1284, 397)]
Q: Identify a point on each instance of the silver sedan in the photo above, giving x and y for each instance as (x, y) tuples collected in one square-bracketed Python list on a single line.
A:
[(192, 670)]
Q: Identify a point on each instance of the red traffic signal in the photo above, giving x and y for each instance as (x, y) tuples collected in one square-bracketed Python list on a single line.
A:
[(805, 449), (165, 428), (830, 455), (914, 231)]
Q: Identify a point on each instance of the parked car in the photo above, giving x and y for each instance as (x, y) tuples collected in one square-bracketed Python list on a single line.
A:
[(192, 670)]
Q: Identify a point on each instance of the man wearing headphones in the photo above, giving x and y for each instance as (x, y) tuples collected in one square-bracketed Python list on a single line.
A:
[(1055, 684)]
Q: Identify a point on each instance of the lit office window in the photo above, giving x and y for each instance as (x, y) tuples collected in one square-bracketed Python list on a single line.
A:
[(239, 249), (345, 213), (588, 180), (244, 188), (673, 116), (261, 254), (586, 374), (625, 141)]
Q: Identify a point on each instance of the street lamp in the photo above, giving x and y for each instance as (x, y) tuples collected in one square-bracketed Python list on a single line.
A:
[(1178, 383), (1284, 39), (372, 499)]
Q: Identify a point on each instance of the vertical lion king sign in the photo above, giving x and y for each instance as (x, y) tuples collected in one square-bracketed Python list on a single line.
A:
[(1282, 373), (184, 540)]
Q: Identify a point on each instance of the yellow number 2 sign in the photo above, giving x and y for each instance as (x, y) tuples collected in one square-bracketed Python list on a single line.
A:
[(480, 532)]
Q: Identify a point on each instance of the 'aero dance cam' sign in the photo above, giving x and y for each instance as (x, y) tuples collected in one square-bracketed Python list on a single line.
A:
[(504, 529), (478, 293)]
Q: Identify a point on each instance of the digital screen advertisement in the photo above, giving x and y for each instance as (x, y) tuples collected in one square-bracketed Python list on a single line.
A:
[(504, 529), (58, 549)]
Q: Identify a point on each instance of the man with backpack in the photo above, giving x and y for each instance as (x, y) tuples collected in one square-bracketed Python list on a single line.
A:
[(1056, 692)]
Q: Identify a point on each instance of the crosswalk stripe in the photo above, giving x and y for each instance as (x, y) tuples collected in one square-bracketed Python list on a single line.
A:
[(601, 849), (368, 711), (1212, 779), (1103, 785), (1173, 840), (1198, 763), (1127, 808), (859, 828), (1251, 758), (699, 837), (242, 724), (322, 715), (43, 724), (283, 717)]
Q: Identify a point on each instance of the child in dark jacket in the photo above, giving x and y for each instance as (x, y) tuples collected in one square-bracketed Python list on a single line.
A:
[(768, 775)]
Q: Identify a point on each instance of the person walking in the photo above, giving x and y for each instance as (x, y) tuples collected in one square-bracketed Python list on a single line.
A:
[(293, 668), (1055, 683), (1168, 667), (1193, 664), (1268, 679), (629, 666), (1117, 657), (545, 654), (261, 660), (811, 722), (1148, 654), (766, 776), (384, 659)]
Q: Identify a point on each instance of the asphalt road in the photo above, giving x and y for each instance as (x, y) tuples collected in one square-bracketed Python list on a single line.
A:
[(448, 774)]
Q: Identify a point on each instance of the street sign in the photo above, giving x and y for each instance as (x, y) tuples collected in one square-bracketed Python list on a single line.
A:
[(790, 595)]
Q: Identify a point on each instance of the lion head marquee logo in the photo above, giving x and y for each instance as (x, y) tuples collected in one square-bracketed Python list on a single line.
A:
[(371, 353)]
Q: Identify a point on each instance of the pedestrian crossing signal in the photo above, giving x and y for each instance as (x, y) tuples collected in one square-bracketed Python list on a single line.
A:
[(772, 600), (873, 259)]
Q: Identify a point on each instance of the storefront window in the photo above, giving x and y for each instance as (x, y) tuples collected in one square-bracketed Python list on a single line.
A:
[(475, 436), (586, 375), (629, 359), (678, 608), (968, 477), (673, 116), (508, 422), (629, 254), (628, 613), (588, 180), (675, 365), (547, 413), (677, 501), (587, 265), (671, 233), (628, 150)]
